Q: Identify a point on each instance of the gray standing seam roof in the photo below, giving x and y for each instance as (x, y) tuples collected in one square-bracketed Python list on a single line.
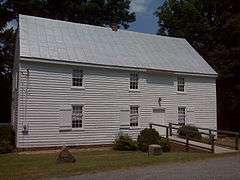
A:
[(73, 42)]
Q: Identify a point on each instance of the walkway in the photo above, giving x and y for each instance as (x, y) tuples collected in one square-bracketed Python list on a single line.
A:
[(217, 149)]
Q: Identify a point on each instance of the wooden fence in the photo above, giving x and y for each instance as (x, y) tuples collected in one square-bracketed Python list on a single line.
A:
[(210, 133)]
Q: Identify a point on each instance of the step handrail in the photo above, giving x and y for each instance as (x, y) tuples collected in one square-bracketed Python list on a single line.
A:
[(210, 133)]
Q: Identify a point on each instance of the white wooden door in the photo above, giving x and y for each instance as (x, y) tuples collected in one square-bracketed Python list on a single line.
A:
[(158, 117)]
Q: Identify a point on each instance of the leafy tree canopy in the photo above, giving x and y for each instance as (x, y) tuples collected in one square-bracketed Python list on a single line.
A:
[(212, 27), (96, 12)]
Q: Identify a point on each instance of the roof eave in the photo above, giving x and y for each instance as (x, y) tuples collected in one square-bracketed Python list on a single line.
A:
[(61, 62)]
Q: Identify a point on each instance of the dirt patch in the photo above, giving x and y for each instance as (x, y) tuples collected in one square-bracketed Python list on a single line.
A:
[(54, 151)]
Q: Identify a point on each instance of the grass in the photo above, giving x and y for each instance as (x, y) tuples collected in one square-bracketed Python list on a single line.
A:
[(227, 141), (39, 166)]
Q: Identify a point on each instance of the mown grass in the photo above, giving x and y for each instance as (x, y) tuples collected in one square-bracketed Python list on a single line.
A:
[(39, 166)]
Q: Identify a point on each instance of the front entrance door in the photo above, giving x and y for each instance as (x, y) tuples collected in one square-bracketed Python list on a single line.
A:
[(158, 117)]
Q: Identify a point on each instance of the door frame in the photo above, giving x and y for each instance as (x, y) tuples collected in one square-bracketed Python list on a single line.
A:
[(161, 109)]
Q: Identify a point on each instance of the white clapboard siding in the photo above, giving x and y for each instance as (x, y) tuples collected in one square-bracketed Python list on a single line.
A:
[(105, 94)]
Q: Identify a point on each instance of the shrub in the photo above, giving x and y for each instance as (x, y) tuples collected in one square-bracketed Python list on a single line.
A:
[(189, 130), (7, 139), (125, 143), (165, 145), (147, 137)]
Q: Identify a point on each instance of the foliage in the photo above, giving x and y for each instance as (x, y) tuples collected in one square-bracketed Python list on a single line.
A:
[(7, 139), (124, 143), (190, 131), (147, 137), (96, 12), (151, 136), (212, 27), (165, 145)]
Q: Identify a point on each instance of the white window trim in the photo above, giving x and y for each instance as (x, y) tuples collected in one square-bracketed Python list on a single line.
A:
[(139, 117), (83, 118), (83, 80), (134, 90), (77, 87), (182, 106), (181, 92)]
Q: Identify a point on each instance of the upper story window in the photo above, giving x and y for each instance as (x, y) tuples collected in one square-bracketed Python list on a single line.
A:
[(181, 115), (77, 78), (134, 114), (77, 116), (134, 81), (180, 84)]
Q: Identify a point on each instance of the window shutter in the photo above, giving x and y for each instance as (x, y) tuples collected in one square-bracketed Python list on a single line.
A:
[(65, 122), (124, 118), (190, 116)]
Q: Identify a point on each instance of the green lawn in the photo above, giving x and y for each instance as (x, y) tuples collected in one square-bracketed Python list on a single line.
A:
[(38, 166)]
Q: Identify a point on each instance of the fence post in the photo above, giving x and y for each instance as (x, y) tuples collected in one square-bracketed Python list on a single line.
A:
[(187, 143), (170, 129), (150, 125), (212, 142), (209, 138), (236, 141)]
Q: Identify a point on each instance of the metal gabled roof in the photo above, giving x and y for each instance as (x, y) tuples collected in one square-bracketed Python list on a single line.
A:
[(81, 43)]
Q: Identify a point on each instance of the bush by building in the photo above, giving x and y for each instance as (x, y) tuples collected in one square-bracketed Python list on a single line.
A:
[(125, 143), (7, 139), (190, 131)]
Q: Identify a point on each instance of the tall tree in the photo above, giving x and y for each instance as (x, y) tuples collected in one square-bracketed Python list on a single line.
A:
[(95, 12), (213, 28)]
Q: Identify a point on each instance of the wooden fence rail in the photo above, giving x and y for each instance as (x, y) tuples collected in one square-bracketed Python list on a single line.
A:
[(210, 134)]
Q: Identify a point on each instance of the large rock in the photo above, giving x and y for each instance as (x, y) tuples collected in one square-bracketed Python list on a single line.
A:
[(65, 156), (154, 149)]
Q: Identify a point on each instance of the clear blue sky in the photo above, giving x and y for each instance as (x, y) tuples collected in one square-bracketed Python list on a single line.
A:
[(145, 22)]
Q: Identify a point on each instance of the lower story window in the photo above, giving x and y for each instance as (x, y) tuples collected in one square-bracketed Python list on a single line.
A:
[(181, 115), (134, 114), (77, 116)]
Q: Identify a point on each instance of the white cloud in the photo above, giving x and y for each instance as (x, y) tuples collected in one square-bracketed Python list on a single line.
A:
[(139, 6)]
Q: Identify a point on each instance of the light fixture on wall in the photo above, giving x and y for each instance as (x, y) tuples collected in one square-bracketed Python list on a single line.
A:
[(159, 101)]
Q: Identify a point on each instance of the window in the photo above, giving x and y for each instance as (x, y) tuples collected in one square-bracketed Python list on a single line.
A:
[(77, 78), (77, 116), (180, 84), (134, 81), (133, 116), (181, 115)]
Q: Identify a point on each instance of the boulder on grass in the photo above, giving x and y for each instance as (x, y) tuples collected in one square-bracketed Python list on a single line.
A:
[(154, 149), (65, 156)]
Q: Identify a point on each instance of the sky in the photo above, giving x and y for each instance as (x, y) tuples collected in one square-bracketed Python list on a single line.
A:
[(145, 22)]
